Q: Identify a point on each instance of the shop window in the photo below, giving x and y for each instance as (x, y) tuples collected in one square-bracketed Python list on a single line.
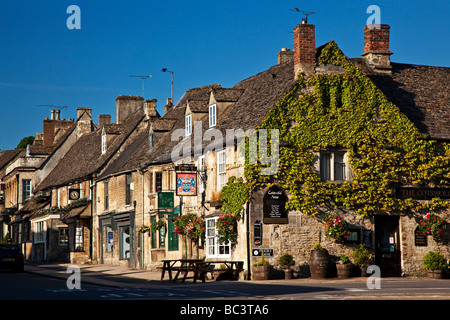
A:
[(79, 239), (124, 242), (109, 240)]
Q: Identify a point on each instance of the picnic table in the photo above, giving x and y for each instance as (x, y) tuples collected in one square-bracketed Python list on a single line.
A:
[(199, 267)]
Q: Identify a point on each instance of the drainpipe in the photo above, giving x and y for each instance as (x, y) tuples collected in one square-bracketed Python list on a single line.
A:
[(249, 273), (91, 231)]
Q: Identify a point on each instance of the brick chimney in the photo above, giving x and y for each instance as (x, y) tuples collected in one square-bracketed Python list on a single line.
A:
[(304, 48), (126, 106), (376, 47), (104, 119)]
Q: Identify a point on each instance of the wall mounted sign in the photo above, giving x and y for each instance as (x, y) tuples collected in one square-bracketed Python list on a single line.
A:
[(274, 206), (258, 252), (420, 239), (422, 193), (257, 233), (165, 202), (186, 184)]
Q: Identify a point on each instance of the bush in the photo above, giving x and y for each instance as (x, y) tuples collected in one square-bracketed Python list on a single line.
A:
[(361, 255), (434, 261), (286, 260)]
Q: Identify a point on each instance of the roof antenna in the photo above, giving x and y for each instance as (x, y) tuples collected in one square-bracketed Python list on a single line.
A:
[(306, 13), (143, 78)]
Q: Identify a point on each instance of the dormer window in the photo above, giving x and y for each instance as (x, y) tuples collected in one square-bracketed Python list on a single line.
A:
[(151, 140), (103, 142), (212, 115), (188, 125)]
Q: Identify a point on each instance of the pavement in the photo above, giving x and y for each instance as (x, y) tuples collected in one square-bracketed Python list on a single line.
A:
[(121, 276)]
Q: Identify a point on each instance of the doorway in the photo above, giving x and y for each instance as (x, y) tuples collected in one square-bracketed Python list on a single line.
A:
[(387, 245)]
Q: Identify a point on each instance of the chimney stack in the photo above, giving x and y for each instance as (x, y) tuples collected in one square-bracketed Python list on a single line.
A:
[(150, 108), (284, 55), (104, 119), (168, 106), (126, 106), (304, 48), (376, 47), (80, 112)]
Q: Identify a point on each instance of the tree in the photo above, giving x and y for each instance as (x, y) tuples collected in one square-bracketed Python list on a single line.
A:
[(25, 141)]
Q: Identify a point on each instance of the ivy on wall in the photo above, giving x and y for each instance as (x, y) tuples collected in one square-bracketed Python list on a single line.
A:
[(346, 110)]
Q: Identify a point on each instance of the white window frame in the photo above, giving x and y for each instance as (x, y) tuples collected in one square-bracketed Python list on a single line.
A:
[(214, 249), (188, 125), (212, 115), (221, 169), (103, 142)]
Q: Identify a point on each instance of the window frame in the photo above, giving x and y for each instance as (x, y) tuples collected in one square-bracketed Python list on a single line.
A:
[(212, 115), (212, 241), (103, 142), (221, 172), (26, 189), (329, 171), (188, 125)]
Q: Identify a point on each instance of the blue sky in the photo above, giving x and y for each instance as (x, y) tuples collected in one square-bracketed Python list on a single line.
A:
[(42, 62)]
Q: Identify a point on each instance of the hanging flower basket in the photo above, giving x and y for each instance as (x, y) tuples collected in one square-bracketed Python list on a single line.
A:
[(190, 225), (143, 228), (433, 225), (227, 228), (335, 227), (158, 225)]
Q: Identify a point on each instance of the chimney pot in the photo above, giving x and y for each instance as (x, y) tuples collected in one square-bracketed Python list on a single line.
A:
[(168, 106), (52, 114), (58, 112)]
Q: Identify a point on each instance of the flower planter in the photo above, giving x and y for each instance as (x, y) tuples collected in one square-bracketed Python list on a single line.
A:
[(435, 274), (288, 273), (318, 264), (216, 203), (262, 272), (344, 270)]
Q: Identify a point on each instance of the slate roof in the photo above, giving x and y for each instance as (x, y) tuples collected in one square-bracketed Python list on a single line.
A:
[(420, 92), (85, 158)]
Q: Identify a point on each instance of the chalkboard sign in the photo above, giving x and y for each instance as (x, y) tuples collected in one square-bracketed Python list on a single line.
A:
[(420, 239), (274, 206)]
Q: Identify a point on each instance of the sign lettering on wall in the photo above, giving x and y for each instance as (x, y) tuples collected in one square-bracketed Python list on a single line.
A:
[(422, 193), (165, 201), (274, 206)]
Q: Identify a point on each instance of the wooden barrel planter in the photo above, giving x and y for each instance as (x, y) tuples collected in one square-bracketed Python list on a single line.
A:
[(262, 272), (435, 274), (344, 271), (318, 263)]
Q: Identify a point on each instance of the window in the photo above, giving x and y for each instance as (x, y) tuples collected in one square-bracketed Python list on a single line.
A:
[(128, 189), (109, 239), (63, 234), (79, 243), (26, 189), (158, 181), (215, 249), (124, 242), (188, 127), (221, 169), (151, 140), (103, 143), (333, 166), (212, 115), (106, 191), (39, 232)]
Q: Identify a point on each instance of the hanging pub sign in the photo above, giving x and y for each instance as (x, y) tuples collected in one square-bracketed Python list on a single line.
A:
[(186, 184), (274, 206), (165, 202), (422, 193)]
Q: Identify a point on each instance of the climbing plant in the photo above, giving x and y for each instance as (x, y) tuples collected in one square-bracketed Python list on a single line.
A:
[(346, 109)]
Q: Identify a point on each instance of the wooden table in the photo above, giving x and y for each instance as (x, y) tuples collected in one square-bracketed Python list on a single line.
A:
[(197, 266)]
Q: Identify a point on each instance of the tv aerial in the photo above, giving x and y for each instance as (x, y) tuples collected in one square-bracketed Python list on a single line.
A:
[(143, 79), (306, 13)]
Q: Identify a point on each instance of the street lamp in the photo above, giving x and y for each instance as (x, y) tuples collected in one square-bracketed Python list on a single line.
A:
[(165, 70)]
